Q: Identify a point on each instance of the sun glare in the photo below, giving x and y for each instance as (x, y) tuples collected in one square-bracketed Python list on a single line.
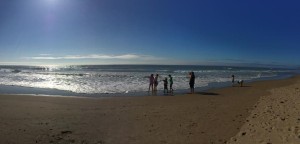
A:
[(51, 1)]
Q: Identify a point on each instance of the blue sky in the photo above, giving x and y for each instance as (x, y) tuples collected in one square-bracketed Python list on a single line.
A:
[(209, 32)]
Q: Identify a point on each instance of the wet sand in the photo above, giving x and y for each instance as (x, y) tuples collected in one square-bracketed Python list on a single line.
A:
[(215, 116)]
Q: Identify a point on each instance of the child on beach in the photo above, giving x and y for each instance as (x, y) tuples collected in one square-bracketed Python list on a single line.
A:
[(165, 85), (171, 83), (155, 82), (151, 81)]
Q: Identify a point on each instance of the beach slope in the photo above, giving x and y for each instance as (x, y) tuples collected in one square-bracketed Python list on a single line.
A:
[(214, 116), (275, 119)]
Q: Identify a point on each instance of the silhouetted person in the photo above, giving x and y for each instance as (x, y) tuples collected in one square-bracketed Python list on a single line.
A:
[(171, 83), (232, 80), (165, 85), (155, 82), (192, 82), (151, 80)]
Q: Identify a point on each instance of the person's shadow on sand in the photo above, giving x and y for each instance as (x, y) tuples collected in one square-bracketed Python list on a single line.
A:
[(243, 86), (207, 93)]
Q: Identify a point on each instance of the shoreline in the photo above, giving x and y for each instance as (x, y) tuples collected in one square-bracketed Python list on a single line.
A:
[(22, 90), (213, 116)]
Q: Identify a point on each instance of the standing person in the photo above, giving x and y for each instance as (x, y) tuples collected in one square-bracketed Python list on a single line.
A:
[(171, 83), (192, 82), (155, 82), (232, 81), (151, 80), (165, 84)]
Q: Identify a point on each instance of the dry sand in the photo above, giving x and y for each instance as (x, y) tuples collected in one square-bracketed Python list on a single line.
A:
[(275, 119), (214, 116)]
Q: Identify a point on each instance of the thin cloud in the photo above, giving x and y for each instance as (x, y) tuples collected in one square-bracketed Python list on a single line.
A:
[(19, 63), (44, 58), (96, 56), (44, 54)]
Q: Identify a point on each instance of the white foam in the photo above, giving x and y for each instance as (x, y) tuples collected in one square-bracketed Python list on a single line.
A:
[(89, 81)]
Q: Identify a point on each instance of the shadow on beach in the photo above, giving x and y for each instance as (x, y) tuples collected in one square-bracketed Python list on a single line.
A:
[(207, 93), (242, 86)]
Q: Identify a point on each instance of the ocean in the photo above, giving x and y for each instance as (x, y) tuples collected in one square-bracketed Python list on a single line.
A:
[(124, 79)]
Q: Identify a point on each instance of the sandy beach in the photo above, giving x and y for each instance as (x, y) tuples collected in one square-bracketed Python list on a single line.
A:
[(259, 112), (275, 119)]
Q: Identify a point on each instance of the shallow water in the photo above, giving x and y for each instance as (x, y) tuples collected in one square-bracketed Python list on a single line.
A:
[(100, 79)]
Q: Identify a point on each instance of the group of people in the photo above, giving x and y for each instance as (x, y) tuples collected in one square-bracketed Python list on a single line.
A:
[(154, 83)]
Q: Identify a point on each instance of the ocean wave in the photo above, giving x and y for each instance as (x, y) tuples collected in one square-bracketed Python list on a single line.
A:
[(106, 79), (16, 71)]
